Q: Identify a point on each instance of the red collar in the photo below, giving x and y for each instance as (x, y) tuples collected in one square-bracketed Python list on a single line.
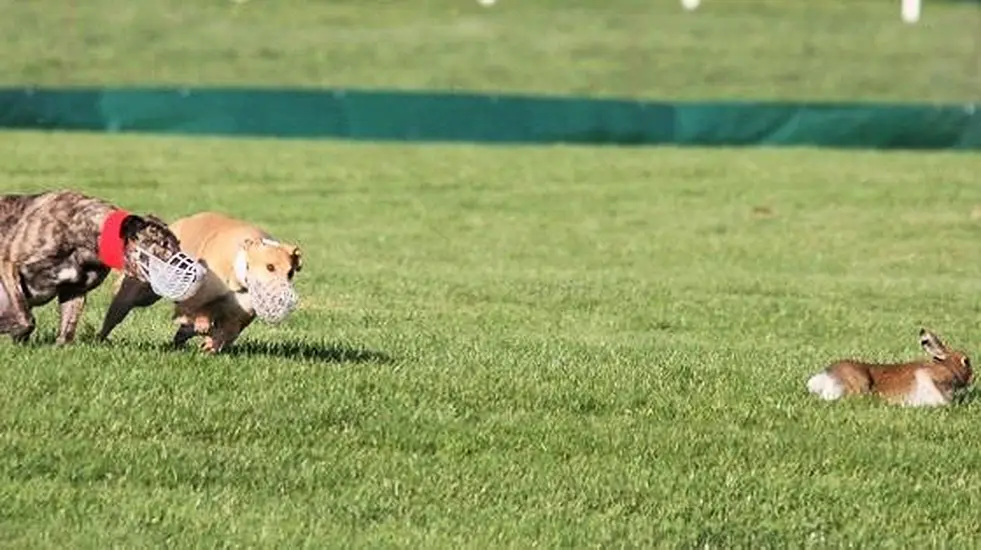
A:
[(112, 248)]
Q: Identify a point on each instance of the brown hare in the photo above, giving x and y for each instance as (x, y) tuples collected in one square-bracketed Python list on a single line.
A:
[(925, 383)]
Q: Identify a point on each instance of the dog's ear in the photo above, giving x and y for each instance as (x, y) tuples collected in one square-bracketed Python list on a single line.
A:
[(155, 219), (296, 257), (131, 226)]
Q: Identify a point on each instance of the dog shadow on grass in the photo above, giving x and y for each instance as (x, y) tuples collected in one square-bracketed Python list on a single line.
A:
[(324, 352), (292, 349), (297, 350)]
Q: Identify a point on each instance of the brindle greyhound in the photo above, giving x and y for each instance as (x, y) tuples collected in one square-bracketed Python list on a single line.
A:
[(63, 244)]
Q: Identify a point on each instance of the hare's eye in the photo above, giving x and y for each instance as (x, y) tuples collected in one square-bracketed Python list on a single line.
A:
[(966, 362)]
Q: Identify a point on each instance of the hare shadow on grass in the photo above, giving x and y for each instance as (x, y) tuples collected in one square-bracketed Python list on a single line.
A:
[(966, 396)]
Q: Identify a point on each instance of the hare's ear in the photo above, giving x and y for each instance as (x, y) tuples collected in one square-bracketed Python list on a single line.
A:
[(932, 345)]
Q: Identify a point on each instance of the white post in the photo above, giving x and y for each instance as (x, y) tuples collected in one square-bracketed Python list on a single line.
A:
[(911, 10), (690, 4)]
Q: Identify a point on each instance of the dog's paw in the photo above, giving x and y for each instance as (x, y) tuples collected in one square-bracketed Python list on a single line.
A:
[(210, 345), (202, 325)]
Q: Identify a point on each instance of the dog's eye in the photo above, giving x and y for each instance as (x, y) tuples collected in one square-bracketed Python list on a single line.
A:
[(270, 267), (290, 274)]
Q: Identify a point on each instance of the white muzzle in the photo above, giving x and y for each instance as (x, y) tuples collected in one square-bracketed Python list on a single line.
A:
[(273, 301), (176, 279)]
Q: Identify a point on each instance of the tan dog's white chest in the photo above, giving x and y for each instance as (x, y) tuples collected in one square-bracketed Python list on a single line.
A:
[(924, 392), (241, 268), (244, 301)]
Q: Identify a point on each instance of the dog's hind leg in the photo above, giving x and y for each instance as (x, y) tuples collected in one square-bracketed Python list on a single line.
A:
[(15, 315), (132, 293)]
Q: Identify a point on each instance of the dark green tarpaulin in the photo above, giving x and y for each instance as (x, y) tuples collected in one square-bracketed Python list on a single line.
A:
[(418, 116)]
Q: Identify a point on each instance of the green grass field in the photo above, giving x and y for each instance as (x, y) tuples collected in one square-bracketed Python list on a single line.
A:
[(748, 49), (501, 347), (510, 347)]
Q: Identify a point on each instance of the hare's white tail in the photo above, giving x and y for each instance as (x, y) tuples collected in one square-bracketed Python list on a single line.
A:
[(825, 386)]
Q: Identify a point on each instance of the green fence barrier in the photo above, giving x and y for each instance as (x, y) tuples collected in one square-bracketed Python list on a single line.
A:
[(417, 116)]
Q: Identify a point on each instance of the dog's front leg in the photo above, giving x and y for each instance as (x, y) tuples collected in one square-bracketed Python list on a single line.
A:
[(15, 315), (184, 333), (132, 293), (214, 338), (70, 306), (226, 333), (235, 328)]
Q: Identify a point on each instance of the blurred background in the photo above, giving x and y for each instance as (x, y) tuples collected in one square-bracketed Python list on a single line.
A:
[(725, 49)]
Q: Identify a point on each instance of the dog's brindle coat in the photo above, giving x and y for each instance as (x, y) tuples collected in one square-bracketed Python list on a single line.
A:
[(50, 248)]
